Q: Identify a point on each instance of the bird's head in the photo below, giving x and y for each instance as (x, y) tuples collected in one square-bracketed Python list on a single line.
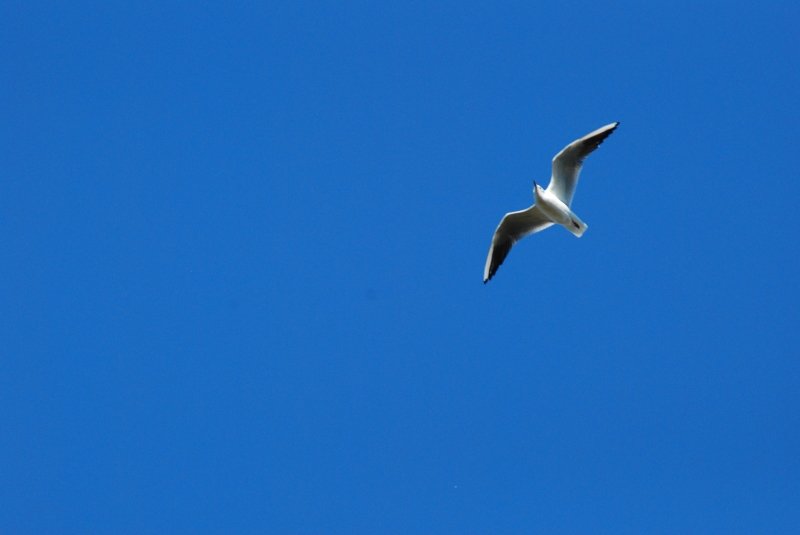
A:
[(537, 189)]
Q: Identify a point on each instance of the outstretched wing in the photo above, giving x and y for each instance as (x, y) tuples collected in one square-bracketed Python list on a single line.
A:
[(513, 227), (567, 163)]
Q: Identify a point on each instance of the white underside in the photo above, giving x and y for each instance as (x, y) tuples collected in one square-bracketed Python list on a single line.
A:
[(559, 212)]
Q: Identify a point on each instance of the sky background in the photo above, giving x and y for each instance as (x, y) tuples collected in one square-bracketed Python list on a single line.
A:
[(241, 264)]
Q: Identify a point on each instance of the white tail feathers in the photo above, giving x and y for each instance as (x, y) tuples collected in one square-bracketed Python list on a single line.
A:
[(576, 226)]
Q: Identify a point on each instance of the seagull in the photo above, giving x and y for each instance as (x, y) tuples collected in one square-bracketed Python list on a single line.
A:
[(551, 205)]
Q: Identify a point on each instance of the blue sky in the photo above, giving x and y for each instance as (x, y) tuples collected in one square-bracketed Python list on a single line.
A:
[(242, 256)]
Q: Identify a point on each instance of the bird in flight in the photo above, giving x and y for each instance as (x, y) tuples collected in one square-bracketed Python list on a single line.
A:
[(551, 205)]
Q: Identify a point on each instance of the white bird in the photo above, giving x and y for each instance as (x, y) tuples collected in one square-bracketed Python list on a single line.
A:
[(551, 205)]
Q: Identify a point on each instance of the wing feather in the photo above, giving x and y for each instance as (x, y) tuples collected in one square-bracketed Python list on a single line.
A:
[(567, 163), (513, 227)]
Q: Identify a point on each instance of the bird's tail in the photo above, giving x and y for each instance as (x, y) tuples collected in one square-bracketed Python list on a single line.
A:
[(576, 226)]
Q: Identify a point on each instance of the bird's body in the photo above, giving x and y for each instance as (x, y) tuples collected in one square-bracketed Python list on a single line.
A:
[(551, 205), (558, 212)]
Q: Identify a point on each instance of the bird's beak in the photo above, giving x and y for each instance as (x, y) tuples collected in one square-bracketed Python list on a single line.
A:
[(534, 184)]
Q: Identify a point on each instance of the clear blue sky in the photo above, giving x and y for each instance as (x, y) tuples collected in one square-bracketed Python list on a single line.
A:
[(241, 259)]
